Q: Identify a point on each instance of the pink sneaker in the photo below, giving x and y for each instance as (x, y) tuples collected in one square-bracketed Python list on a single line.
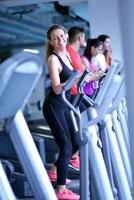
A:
[(67, 195), (74, 163), (53, 177)]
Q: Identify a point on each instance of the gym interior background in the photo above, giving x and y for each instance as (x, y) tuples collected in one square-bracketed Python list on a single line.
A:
[(23, 25)]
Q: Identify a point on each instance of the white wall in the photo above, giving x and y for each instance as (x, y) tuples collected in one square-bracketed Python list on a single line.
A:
[(104, 19), (127, 16)]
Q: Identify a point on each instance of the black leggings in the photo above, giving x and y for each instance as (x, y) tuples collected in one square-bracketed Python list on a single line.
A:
[(57, 116)]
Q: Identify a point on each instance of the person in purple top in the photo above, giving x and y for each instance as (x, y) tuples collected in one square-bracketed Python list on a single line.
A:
[(93, 48)]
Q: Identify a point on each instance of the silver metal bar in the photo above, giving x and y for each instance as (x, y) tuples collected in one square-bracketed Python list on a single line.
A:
[(102, 183), (119, 171), (84, 170), (6, 192), (30, 159), (122, 147)]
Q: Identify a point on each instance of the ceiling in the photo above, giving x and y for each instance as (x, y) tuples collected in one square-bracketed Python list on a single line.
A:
[(25, 22)]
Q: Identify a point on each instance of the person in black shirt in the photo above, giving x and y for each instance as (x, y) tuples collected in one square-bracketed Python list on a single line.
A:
[(54, 108)]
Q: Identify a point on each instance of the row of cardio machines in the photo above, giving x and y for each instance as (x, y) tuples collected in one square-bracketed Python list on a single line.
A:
[(101, 132)]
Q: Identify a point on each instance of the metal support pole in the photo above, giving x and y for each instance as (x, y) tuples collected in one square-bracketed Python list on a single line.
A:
[(30, 159), (6, 192), (119, 171), (122, 147), (101, 180), (84, 172)]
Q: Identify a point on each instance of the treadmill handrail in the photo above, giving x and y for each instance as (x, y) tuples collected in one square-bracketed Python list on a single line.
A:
[(21, 69)]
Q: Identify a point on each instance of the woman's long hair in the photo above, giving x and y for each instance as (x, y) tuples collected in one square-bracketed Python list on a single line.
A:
[(91, 43), (49, 47)]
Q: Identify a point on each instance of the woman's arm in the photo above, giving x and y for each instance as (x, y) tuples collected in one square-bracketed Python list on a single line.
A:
[(85, 62)]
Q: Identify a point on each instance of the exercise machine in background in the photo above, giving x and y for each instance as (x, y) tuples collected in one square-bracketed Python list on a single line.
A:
[(18, 77)]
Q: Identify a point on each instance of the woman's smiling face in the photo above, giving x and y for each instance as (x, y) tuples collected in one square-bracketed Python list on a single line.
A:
[(58, 39)]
